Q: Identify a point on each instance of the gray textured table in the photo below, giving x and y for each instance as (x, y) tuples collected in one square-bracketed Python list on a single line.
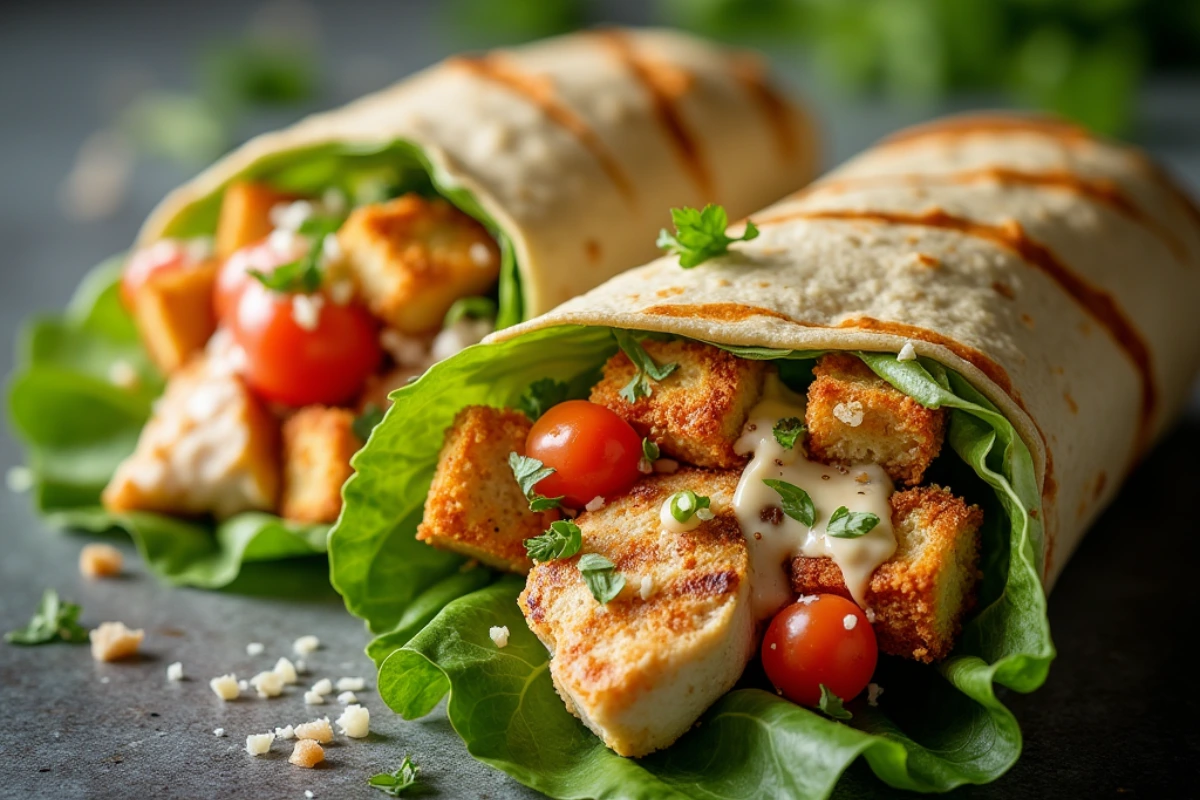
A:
[(1117, 714)]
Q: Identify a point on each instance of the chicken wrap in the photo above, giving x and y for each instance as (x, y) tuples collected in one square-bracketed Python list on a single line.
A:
[(793, 494), (232, 363)]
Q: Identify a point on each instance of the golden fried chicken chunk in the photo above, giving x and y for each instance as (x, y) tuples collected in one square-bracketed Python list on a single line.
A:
[(318, 443)]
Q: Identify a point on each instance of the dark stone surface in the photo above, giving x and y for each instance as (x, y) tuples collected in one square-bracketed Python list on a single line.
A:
[(1117, 716)]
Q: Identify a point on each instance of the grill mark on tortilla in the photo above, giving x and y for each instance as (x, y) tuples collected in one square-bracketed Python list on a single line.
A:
[(1097, 303), (662, 98), (539, 91), (1100, 191), (723, 312), (779, 114)]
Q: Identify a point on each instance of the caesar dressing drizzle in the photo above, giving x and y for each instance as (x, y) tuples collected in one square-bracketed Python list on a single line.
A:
[(773, 538)]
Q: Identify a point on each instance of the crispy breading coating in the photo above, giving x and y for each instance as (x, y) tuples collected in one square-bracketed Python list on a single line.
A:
[(245, 216), (174, 313), (317, 445)]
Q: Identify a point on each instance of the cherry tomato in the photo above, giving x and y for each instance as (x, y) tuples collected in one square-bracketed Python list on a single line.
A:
[(809, 644), (234, 274), (594, 452), (327, 361), (166, 255)]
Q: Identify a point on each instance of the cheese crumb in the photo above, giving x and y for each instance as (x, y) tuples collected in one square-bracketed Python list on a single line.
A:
[(873, 692), (499, 635), (308, 793), (175, 671), (355, 722), (870, 612), (286, 671), (100, 561), (704, 514), (313, 699), (351, 684), (480, 255), (258, 744), (323, 686), (907, 353), (772, 645), (646, 589), (122, 374), (849, 621), (645, 465), (306, 310), (340, 292), (305, 645), (318, 730), (112, 641), (218, 732), (807, 598), (226, 686), (849, 413), (346, 698), (244, 685), (595, 504), (255, 649), (284, 734), (306, 754), (666, 466), (301, 666), (267, 684)]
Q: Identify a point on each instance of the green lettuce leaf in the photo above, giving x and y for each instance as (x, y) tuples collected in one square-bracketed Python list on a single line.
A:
[(935, 727)]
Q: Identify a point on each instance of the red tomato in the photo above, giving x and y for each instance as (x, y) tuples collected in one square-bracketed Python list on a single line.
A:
[(594, 452), (166, 255), (234, 276), (808, 644), (290, 364)]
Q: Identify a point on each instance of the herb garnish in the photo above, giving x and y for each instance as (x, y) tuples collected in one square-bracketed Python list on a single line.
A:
[(787, 431), (541, 395), (304, 275), (394, 783), (831, 705), (847, 524), (54, 621), (650, 450), (700, 235), (687, 504), (796, 502), (365, 422), (528, 471), (601, 577), (647, 368), (562, 540), (470, 307)]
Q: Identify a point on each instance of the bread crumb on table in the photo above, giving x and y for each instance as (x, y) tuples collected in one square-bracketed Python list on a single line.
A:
[(112, 641), (100, 561), (307, 754)]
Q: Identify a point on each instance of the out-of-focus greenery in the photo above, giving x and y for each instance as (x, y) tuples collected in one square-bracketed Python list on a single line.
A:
[(488, 22), (1083, 59)]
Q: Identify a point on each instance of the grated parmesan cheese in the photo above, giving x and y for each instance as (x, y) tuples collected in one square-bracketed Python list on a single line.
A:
[(284, 734), (806, 598), (646, 589), (907, 353), (499, 635), (347, 698), (323, 686), (351, 684), (98, 560), (306, 310), (225, 687), (218, 732), (255, 649), (258, 744), (849, 413), (355, 722), (873, 692), (318, 730), (595, 504), (313, 699), (306, 644), (267, 684), (175, 671), (307, 754), (850, 621), (286, 671), (112, 641)]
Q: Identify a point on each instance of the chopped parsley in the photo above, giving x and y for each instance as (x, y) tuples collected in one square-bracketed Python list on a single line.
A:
[(847, 524), (54, 621), (562, 540), (542, 395), (687, 504), (796, 502), (787, 431), (831, 705), (647, 368), (472, 308), (700, 235), (365, 422), (394, 783), (306, 274), (528, 471), (601, 577), (650, 450)]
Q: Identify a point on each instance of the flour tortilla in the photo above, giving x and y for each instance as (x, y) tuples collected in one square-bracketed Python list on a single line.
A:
[(1058, 273), (576, 146)]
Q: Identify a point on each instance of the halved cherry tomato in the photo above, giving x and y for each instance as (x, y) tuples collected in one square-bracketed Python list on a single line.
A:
[(165, 255), (594, 452), (234, 274), (286, 362), (808, 644)]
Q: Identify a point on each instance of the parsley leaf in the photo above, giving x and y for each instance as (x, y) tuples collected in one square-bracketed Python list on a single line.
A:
[(650, 450), (601, 577), (365, 422), (700, 235), (528, 471), (472, 307), (647, 367), (54, 621), (831, 705), (796, 502), (394, 783), (847, 524), (787, 431), (541, 395), (686, 504), (306, 274), (562, 540)]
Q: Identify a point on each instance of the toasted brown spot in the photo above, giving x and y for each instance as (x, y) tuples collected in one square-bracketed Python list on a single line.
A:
[(592, 248), (1004, 290), (1027, 321), (670, 291), (926, 260), (1071, 404), (1101, 481), (969, 124), (751, 73), (722, 312), (710, 584)]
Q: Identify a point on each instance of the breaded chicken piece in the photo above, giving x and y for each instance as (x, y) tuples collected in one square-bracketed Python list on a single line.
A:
[(855, 417), (475, 506), (246, 215), (412, 257), (317, 445), (921, 594), (210, 447), (641, 670), (174, 313), (697, 413)]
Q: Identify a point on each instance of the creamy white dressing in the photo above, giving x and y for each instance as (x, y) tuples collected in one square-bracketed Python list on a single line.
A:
[(773, 538)]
